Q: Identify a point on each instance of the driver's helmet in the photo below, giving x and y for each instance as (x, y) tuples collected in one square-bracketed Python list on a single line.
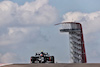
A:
[(41, 54), (41, 51)]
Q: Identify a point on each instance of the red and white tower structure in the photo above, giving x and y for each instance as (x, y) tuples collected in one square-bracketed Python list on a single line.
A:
[(77, 47)]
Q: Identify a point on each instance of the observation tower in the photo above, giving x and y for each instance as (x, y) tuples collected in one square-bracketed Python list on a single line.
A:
[(77, 47)]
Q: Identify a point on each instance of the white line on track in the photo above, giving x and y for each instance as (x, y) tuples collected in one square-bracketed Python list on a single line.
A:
[(4, 64)]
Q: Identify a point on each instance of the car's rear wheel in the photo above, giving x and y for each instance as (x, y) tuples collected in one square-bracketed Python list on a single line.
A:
[(52, 59)]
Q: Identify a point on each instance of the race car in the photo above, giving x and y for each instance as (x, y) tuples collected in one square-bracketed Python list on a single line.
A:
[(42, 58)]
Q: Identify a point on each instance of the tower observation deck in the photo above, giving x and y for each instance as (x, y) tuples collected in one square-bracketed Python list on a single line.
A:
[(77, 47)]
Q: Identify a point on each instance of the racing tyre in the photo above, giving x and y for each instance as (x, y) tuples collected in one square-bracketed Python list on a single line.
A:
[(52, 59), (32, 59)]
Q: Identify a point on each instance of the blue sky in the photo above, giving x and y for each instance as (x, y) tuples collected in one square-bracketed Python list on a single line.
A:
[(29, 28), (86, 6)]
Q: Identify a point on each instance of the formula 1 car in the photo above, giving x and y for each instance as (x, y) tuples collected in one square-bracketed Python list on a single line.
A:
[(42, 58)]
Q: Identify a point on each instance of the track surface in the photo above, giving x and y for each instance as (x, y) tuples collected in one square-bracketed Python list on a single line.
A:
[(56, 65)]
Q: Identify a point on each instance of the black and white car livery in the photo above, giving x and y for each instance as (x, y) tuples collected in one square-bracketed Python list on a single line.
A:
[(42, 58)]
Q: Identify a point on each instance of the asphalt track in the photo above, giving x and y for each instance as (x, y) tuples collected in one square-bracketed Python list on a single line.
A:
[(56, 65)]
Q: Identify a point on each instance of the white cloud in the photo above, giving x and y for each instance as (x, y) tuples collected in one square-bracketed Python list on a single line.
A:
[(90, 21), (8, 58), (34, 13), (19, 21), (6, 11), (16, 35)]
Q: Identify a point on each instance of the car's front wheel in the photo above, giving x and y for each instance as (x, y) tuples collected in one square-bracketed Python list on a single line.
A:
[(32, 59)]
